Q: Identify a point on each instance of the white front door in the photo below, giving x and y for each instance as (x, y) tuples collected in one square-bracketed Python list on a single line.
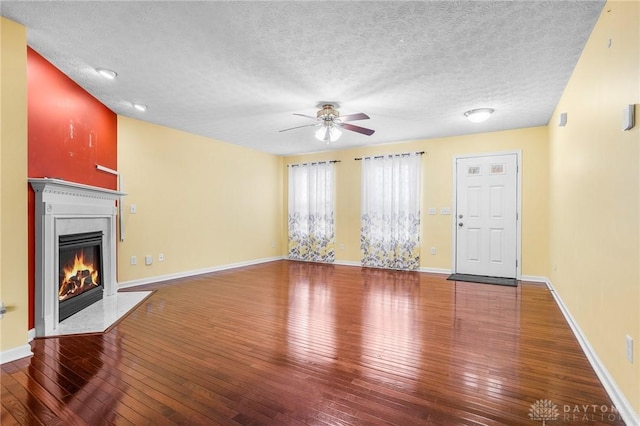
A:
[(486, 220)]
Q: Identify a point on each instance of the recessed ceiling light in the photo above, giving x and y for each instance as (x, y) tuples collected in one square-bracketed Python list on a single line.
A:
[(109, 74), (479, 115), (140, 107)]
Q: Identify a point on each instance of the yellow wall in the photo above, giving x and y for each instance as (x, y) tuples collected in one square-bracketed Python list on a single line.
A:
[(13, 184), (200, 202), (438, 190), (197, 198), (595, 193)]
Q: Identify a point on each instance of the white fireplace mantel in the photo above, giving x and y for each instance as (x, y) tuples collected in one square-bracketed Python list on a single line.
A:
[(63, 208)]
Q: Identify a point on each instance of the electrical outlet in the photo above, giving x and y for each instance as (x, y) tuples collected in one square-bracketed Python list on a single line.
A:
[(148, 259), (432, 210), (341, 246), (433, 250), (161, 257), (134, 260), (629, 341), (133, 209)]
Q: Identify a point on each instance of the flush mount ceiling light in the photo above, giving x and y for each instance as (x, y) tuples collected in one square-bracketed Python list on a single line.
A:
[(108, 74), (140, 107), (479, 115)]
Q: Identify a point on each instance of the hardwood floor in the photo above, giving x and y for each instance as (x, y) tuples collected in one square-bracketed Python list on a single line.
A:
[(295, 343)]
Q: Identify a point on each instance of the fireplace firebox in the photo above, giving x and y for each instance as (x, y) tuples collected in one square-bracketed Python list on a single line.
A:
[(80, 272)]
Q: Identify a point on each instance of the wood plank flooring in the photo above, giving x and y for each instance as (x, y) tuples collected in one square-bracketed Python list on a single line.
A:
[(296, 343)]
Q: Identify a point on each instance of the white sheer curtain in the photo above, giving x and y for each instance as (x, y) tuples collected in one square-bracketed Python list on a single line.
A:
[(311, 201), (390, 234)]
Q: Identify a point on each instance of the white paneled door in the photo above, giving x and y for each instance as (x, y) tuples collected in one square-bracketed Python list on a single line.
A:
[(486, 220)]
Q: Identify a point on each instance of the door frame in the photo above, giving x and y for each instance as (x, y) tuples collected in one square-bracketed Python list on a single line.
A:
[(454, 208)]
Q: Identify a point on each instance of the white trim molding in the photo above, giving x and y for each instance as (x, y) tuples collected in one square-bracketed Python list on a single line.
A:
[(347, 263), (429, 270), (15, 353), (426, 269), (534, 279), (623, 405), (184, 274)]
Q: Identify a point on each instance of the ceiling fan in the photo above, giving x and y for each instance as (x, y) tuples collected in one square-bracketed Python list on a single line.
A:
[(329, 123)]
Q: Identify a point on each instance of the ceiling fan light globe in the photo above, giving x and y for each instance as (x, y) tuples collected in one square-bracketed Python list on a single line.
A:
[(320, 133), (328, 133), (334, 133)]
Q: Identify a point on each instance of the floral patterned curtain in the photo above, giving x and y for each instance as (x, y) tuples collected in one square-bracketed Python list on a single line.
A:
[(311, 201), (390, 234)]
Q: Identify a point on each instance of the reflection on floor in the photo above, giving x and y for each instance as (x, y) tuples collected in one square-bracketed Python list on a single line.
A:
[(102, 314), (291, 343)]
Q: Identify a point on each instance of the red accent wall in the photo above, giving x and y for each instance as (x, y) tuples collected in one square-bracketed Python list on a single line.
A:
[(69, 132)]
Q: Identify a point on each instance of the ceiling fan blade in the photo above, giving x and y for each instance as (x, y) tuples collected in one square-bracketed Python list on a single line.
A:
[(306, 116), (358, 129), (354, 117), (298, 127)]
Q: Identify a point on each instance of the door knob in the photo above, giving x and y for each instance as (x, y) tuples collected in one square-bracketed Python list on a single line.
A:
[(460, 224), (459, 216)]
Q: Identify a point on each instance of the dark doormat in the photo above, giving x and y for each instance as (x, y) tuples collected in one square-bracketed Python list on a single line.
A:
[(483, 279)]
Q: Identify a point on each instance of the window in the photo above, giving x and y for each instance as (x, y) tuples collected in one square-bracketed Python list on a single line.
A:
[(310, 216), (390, 234)]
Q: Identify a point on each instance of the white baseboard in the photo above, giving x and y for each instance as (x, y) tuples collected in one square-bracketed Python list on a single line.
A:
[(422, 269), (436, 270), (15, 353), (625, 409), (184, 274), (347, 263), (31, 334), (534, 278)]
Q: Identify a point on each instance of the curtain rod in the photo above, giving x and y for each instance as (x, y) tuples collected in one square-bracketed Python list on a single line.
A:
[(314, 163), (390, 155)]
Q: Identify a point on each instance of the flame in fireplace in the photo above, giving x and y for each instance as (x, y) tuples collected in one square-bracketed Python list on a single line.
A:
[(77, 278)]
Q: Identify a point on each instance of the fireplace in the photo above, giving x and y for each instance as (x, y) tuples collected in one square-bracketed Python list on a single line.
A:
[(75, 229), (80, 272)]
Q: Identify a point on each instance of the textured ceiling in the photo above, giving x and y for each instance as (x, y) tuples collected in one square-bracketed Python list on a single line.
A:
[(237, 71)]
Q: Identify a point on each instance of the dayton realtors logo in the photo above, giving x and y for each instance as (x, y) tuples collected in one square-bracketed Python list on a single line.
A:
[(544, 410)]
